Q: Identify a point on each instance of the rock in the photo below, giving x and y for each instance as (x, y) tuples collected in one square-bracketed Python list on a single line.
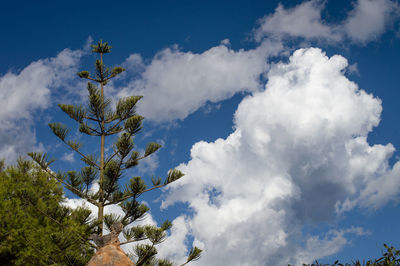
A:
[(110, 255), (109, 252)]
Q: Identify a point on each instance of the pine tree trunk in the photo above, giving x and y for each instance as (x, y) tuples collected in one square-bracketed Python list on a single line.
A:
[(101, 192)]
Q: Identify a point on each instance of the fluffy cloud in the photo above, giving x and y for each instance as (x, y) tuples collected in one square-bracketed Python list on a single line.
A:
[(298, 155), (174, 247), (369, 18), (303, 20), (177, 83), (26, 92), (365, 22)]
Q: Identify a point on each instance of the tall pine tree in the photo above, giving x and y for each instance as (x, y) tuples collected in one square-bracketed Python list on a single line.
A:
[(99, 119)]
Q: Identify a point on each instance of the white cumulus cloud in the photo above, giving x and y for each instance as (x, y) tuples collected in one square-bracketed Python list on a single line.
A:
[(299, 154), (303, 20), (369, 19), (175, 83), (27, 91), (365, 22)]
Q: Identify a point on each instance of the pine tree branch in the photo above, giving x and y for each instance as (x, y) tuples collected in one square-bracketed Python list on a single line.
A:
[(139, 262), (133, 240), (71, 188), (90, 118), (112, 181), (115, 153), (111, 157), (37, 249), (93, 135), (83, 155), (128, 211), (92, 79), (132, 195), (86, 129), (194, 255), (138, 159), (114, 126)]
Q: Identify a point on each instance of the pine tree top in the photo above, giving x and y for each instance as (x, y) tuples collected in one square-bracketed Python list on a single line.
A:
[(101, 48)]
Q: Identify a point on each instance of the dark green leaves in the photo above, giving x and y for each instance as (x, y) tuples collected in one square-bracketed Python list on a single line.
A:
[(101, 48), (117, 70), (155, 181), (110, 219), (74, 180), (164, 262), (36, 229), (41, 158), (74, 145), (88, 174), (151, 148), (137, 185), (166, 225), (154, 234), (134, 210), (100, 70), (134, 124), (173, 175), (126, 106), (60, 130), (133, 161), (83, 74), (75, 112), (124, 144), (116, 196), (96, 105), (86, 129), (135, 233), (112, 173), (144, 252), (194, 254), (90, 160)]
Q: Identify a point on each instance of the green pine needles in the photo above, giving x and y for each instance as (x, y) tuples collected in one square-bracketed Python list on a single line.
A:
[(99, 119)]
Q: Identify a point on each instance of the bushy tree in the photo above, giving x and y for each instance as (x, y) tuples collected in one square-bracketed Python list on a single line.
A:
[(35, 228), (99, 119), (390, 258)]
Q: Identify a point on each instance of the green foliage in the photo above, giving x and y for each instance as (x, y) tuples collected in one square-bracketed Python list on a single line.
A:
[(41, 158), (194, 254), (134, 124), (151, 148), (126, 106), (390, 258), (133, 161), (75, 112), (83, 74), (173, 175), (74, 145), (100, 119), (101, 48), (60, 130), (88, 174), (34, 228), (137, 186), (110, 219)]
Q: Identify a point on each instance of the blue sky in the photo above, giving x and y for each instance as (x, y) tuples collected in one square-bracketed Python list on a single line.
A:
[(283, 116)]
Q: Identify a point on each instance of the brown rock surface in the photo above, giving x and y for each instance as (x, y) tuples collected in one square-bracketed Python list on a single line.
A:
[(110, 255), (109, 252)]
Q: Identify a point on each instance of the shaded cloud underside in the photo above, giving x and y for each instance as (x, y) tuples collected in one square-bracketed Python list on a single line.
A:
[(298, 155)]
